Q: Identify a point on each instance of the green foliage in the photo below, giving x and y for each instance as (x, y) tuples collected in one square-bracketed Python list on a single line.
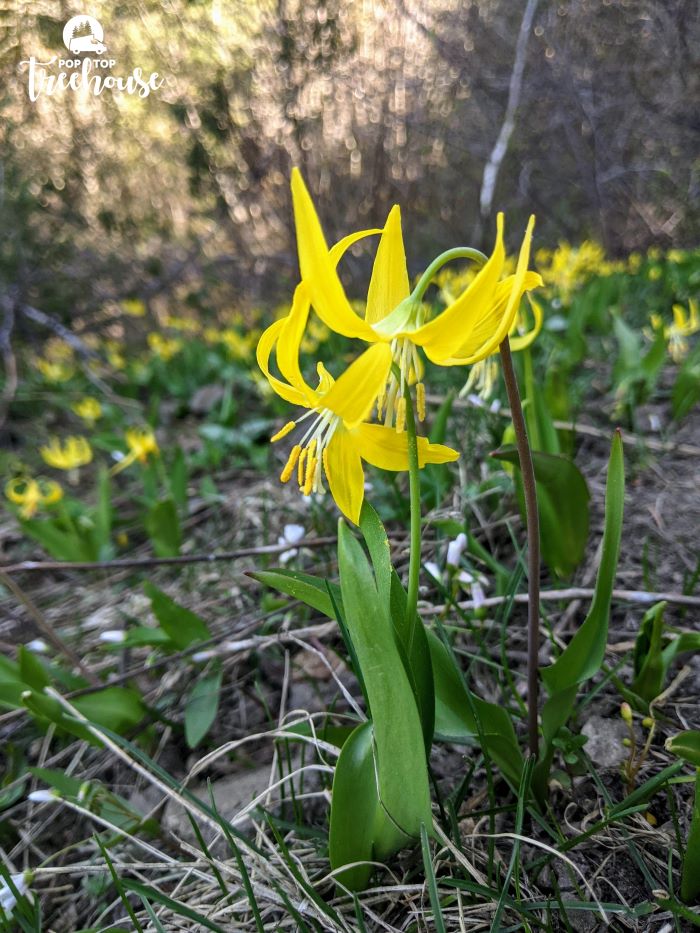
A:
[(163, 528), (201, 706), (182, 626), (686, 745), (584, 654)]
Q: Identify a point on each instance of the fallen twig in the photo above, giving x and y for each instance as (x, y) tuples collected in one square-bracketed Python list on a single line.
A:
[(574, 592), (628, 437), (122, 562)]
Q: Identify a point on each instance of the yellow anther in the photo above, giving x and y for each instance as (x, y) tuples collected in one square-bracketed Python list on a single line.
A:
[(311, 464), (289, 426), (291, 463), (401, 415), (300, 467), (626, 713), (324, 459), (420, 401)]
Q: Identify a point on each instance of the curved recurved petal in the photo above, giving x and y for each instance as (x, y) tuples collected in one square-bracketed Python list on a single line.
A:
[(344, 473), (453, 326), (489, 333), (522, 341), (318, 271), (263, 352), (388, 286), (387, 449), (354, 393)]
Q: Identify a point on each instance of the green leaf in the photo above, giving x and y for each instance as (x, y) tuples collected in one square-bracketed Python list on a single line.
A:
[(649, 667), (181, 625), (103, 515), (462, 717), (119, 709), (178, 479), (686, 390), (562, 498), (201, 707), (310, 590), (32, 671), (163, 528), (690, 877), (686, 745), (402, 772), (413, 645), (360, 830), (66, 786), (584, 655)]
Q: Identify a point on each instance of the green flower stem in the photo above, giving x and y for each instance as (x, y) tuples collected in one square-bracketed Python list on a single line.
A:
[(533, 542), (459, 252), (414, 493)]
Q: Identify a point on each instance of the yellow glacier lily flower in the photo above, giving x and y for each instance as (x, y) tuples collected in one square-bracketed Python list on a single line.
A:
[(484, 374), (31, 494), (468, 330), (89, 409), (142, 445), (684, 325), (74, 453), (339, 437)]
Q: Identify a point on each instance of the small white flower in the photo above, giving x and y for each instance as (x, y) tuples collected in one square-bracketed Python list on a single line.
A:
[(43, 796), (455, 549), (37, 645), (113, 636), (654, 423), (465, 578), (495, 406), (478, 596), (7, 897), (291, 535), (433, 570)]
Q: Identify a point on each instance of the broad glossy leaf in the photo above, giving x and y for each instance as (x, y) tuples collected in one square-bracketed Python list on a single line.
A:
[(359, 828), (182, 626), (584, 655), (462, 717), (686, 745), (309, 589), (402, 772), (413, 645), (562, 498), (119, 709)]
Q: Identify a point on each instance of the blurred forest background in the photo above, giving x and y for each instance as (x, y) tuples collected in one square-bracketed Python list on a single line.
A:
[(378, 101)]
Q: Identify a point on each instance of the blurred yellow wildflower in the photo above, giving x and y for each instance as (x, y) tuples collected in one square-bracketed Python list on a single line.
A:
[(32, 494), (58, 351), (675, 256), (133, 307), (568, 267), (655, 273), (684, 325), (55, 371), (186, 325), (89, 409), (74, 453), (142, 445), (164, 347)]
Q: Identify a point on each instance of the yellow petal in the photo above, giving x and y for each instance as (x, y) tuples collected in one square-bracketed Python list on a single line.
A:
[(293, 332), (521, 341), (344, 473), (317, 269), (264, 350), (354, 393), (388, 286), (384, 448), (453, 326)]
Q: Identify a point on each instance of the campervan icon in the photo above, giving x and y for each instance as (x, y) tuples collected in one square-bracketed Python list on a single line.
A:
[(84, 34), (87, 44)]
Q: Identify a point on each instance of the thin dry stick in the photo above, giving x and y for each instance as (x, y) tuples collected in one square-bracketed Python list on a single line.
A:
[(575, 592), (47, 630), (533, 542), (123, 562), (628, 437)]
